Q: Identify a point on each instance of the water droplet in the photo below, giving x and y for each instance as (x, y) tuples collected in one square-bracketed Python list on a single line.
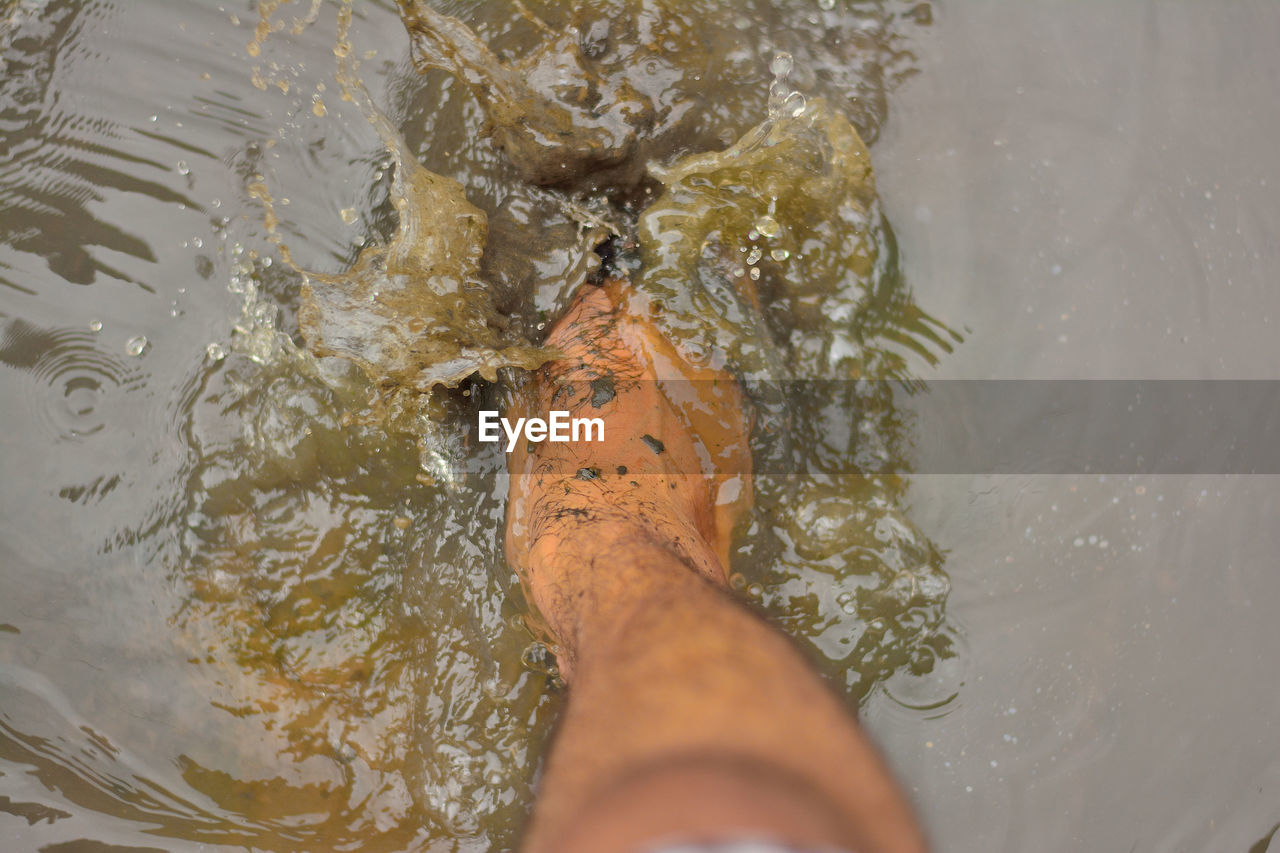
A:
[(198, 243), (137, 345), (183, 168), (782, 64), (779, 255), (155, 118), (754, 257), (349, 215), (95, 325), (768, 226), (318, 107), (755, 273), (826, 5), (216, 351)]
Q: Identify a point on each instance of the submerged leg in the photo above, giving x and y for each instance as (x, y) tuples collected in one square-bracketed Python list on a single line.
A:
[(689, 718)]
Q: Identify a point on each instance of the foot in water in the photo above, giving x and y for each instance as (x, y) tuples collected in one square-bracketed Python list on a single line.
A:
[(673, 467), (689, 721)]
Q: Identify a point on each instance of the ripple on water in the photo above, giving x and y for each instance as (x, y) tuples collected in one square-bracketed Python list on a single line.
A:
[(931, 687), (75, 384)]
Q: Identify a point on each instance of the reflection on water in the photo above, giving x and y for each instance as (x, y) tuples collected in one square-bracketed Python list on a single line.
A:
[(57, 164), (246, 607)]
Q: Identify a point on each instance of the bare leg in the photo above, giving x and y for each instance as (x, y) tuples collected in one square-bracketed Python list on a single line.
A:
[(688, 718)]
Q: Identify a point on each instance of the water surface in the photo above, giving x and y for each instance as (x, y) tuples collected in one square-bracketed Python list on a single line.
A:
[(232, 614)]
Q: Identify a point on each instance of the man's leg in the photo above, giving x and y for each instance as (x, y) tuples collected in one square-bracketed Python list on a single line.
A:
[(689, 718)]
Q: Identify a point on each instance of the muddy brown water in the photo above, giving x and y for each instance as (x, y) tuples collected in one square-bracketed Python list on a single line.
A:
[(236, 613)]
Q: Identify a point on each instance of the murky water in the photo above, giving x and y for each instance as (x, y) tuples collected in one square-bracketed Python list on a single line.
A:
[(242, 605)]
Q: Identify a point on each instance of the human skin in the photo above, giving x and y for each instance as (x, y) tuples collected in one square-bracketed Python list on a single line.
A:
[(689, 718)]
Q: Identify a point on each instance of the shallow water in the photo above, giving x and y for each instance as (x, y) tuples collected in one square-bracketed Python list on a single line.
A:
[(232, 616)]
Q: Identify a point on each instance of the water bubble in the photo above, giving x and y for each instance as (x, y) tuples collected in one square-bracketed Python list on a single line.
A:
[(198, 243), (932, 585), (137, 345), (779, 255), (756, 254), (349, 215), (265, 313), (755, 273), (216, 351), (183, 168), (95, 325), (768, 226)]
